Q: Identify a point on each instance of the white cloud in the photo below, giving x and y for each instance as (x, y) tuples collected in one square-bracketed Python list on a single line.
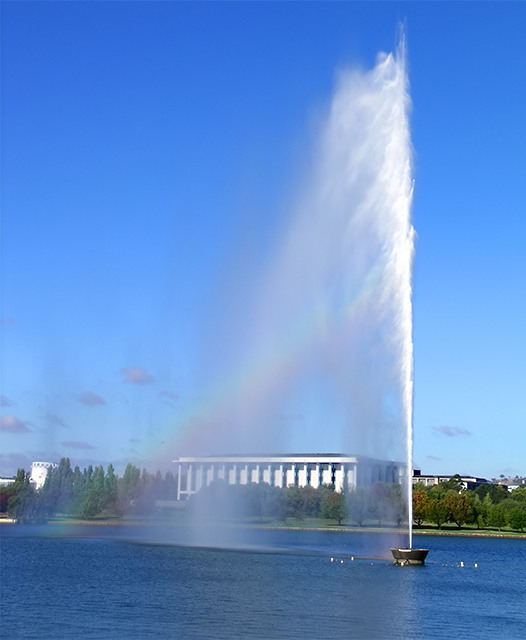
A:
[(77, 444), (11, 424), (136, 375), (89, 398), (451, 432), (53, 420), (169, 397)]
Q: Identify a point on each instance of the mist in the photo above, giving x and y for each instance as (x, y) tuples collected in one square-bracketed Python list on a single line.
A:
[(315, 353)]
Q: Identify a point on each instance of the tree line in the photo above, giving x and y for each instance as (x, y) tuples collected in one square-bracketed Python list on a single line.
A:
[(86, 494), (381, 504), (489, 505), (95, 492)]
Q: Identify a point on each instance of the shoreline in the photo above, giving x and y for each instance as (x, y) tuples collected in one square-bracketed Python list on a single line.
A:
[(290, 527), (472, 534), (456, 534)]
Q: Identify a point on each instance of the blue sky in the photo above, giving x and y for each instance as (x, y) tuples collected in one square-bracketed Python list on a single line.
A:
[(149, 153)]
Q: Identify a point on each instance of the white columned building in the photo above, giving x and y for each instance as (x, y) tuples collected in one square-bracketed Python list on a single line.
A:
[(39, 472), (300, 470)]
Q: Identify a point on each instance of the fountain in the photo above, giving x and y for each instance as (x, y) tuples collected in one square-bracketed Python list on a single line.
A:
[(329, 330), (409, 556)]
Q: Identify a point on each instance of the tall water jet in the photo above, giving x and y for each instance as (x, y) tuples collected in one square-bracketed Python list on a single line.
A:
[(337, 310), (329, 333)]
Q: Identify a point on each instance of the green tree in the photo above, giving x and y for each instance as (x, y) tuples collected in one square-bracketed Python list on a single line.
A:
[(333, 506), (5, 493), (295, 506), (110, 488), (252, 500), (94, 500), (58, 486), (129, 487), (358, 505), (519, 495), (421, 504), (157, 487), (496, 492), (22, 477), (396, 503), (438, 512), (169, 486), (478, 511), (79, 491), (496, 516), (146, 495), (274, 502), (458, 506), (453, 484), (88, 474), (25, 504), (516, 518), (312, 499)]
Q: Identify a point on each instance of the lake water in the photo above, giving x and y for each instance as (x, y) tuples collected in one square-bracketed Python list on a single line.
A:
[(128, 583)]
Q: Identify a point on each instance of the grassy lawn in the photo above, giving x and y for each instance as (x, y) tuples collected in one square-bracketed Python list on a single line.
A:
[(180, 518), (467, 530)]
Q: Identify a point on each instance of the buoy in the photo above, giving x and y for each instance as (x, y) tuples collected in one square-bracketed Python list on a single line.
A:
[(476, 565), (461, 564), (341, 561), (352, 558), (332, 559)]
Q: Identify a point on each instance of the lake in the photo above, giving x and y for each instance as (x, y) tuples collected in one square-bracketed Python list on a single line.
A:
[(132, 583)]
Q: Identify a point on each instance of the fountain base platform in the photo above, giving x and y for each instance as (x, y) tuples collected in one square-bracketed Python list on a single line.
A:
[(409, 556)]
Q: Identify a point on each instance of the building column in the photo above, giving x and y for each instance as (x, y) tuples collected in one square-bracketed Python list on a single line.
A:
[(278, 476), (338, 478), (352, 476), (198, 477), (189, 472), (315, 476), (179, 482), (243, 474)]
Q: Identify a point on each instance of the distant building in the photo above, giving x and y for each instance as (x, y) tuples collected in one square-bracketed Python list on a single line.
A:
[(468, 482), (511, 483), (39, 472), (4, 482), (314, 469)]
